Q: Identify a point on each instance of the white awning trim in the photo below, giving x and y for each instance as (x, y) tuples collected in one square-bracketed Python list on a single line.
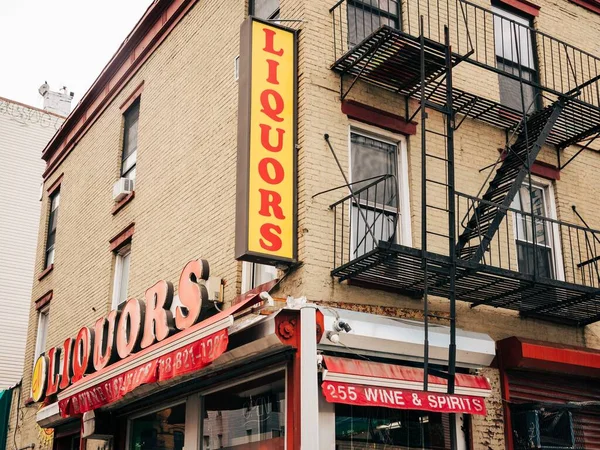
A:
[(402, 339)]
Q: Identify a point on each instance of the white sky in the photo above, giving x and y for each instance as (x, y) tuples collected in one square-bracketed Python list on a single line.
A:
[(64, 42)]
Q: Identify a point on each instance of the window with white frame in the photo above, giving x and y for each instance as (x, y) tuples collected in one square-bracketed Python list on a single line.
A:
[(254, 275), (121, 275), (42, 332), (513, 40), (378, 180), (130, 141), (533, 234)]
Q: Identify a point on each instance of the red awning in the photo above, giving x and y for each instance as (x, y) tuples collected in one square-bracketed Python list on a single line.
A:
[(367, 383), (518, 353), (187, 351)]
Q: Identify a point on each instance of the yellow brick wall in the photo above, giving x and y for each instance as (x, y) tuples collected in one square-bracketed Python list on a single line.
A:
[(184, 205)]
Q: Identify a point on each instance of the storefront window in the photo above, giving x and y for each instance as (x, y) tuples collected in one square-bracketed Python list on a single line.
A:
[(373, 428), (161, 430), (239, 417)]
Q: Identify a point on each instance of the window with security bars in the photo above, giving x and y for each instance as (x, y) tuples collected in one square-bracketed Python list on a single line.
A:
[(534, 236), (366, 16), (374, 175), (514, 45)]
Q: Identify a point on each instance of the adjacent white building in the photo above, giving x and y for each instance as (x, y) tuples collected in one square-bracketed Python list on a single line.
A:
[(24, 132)]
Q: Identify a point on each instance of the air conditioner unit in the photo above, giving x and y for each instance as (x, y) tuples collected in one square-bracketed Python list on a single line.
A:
[(122, 188)]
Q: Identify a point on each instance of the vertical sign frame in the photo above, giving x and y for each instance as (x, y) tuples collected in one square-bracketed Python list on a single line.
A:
[(266, 191)]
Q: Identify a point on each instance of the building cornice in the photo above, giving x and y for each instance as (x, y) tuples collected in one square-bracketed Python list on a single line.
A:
[(150, 31)]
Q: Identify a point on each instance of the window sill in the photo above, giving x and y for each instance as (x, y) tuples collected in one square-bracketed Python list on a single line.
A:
[(120, 205), (46, 271)]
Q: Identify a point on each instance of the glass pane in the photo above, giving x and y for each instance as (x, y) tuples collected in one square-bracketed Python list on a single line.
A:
[(42, 333), (55, 201), (372, 158), (526, 262), (265, 9), (510, 89), (263, 274), (130, 138), (51, 238), (49, 257), (130, 174), (123, 265), (523, 201), (161, 430), (358, 427), (513, 38), (363, 20), (243, 415), (52, 222), (130, 161)]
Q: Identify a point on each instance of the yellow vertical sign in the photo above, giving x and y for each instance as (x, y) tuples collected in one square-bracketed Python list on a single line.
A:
[(271, 216)]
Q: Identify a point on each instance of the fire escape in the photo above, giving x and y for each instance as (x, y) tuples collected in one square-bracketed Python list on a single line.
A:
[(481, 249)]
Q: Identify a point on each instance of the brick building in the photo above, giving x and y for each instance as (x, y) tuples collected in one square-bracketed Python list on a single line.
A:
[(450, 249)]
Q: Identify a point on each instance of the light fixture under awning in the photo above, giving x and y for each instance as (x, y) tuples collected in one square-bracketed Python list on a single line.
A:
[(367, 383)]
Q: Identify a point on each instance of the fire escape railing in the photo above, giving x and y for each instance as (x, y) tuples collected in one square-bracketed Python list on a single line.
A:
[(365, 217), (563, 251), (536, 245), (545, 62)]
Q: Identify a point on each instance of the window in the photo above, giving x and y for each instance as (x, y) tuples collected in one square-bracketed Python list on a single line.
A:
[(250, 412), (51, 237), (70, 441), (514, 45), (539, 235), (374, 213), (549, 429), (42, 333), (121, 275), (164, 430), (362, 427), (265, 9), (366, 16), (256, 274), (130, 141)]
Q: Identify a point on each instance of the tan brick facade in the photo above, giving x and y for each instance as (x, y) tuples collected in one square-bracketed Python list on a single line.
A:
[(184, 205)]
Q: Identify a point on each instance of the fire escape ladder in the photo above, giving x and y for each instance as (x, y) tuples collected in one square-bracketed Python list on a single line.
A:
[(483, 221)]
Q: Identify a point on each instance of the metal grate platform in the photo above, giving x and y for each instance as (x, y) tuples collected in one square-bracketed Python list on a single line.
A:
[(401, 268), (390, 59)]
